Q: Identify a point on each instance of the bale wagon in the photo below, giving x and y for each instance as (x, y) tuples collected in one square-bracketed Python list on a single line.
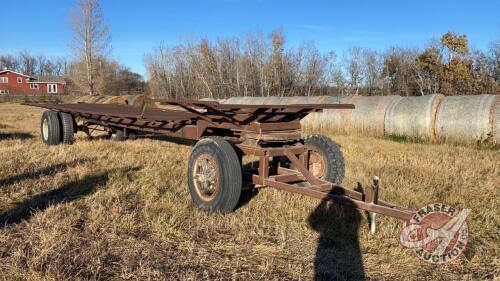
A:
[(311, 166)]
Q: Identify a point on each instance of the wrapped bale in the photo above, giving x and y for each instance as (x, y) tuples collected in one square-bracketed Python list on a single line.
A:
[(496, 127), (413, 117), (467, 119), (368, 116)]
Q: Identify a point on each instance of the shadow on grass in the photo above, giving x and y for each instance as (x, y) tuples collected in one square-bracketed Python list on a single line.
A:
[(249, 191), (15, 136), (66, 193), (338, 255), (46, 171)]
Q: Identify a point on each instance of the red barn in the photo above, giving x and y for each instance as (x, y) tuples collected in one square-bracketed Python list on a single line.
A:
[(14, 83)]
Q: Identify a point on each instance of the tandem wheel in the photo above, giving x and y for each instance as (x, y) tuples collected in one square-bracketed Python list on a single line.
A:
[(214, 175), (57, 127)]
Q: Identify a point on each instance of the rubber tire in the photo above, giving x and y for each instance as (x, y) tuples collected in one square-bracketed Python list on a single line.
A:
[(330, 151), (54, 128), (231, 179), (119, 135), (67, 128)]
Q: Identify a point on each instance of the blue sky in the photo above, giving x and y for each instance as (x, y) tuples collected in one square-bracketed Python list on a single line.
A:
[(137, 27)]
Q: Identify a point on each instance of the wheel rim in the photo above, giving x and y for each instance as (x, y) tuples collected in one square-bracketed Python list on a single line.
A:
[(45, 129), (206, 177), (317, 164)]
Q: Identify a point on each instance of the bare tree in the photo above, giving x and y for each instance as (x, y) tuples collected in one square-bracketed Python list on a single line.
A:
[(313, 67), (355, 69), (91, 39), (60, 67), (398, 70), (259, 65), (9, 62), (495, 59), (374, 67), (28, 63), (41, 61)]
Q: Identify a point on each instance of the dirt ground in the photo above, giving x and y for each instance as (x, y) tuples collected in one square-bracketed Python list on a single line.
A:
[(103, 210)]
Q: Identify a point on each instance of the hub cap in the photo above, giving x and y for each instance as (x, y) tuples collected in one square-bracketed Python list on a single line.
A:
[(206, 177), (317, 165), (45, 129)]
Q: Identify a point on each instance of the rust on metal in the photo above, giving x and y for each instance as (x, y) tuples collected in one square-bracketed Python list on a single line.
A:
[(264, 131)]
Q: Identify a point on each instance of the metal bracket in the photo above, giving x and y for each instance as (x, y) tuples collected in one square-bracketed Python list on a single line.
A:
[(372, 197)]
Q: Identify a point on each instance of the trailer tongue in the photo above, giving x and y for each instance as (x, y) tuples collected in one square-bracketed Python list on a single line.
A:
[(226, 132)]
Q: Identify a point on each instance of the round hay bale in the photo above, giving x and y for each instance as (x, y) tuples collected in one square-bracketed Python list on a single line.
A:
[(496, 124), (95, 99), (317, 122), (138, 100), (368, 116), (257, 100), (273, 100), (134, 99), (413, 117), (101, 99), (339, 120), (113, 100), (466, 119), (83, 99), (212, 99)]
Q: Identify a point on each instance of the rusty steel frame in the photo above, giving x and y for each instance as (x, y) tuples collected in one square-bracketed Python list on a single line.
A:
[(264, 131)]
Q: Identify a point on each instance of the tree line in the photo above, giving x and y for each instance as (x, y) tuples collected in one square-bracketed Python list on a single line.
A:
[(262, 65), (110, 77), (33, 65)]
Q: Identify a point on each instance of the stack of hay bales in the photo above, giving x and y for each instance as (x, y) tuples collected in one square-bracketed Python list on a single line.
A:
[(367, 118), (413, 117), (466, 119)]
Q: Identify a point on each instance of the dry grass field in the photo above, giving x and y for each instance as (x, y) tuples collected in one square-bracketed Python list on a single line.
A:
[(104, 210)]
